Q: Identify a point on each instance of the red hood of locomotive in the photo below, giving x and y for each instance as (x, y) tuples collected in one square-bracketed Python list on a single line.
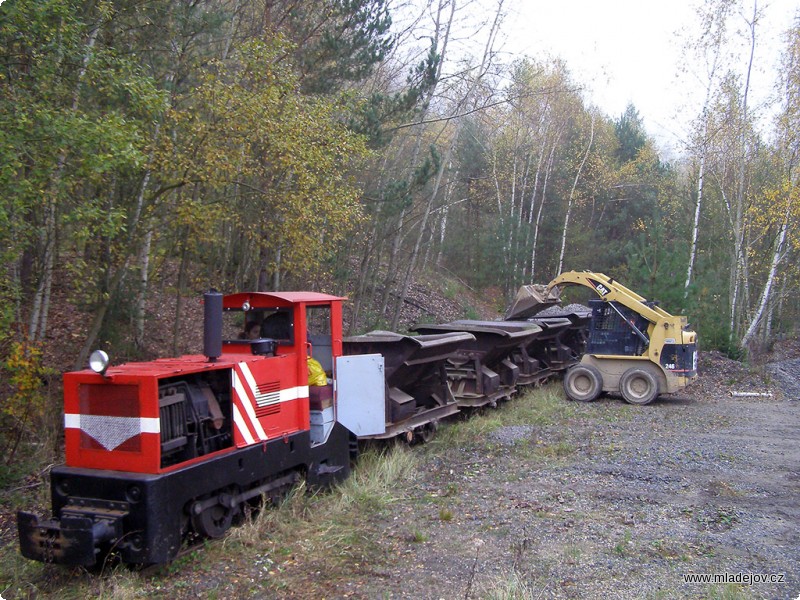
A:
[(112, 421)]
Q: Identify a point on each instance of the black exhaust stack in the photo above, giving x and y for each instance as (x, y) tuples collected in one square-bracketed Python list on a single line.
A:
[(212, 325)]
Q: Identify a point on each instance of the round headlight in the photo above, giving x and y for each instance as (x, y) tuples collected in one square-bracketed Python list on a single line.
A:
[(98, 362), (246, 306)]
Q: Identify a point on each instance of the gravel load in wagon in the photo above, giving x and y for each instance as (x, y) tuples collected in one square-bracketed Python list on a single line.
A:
[(563, 338)]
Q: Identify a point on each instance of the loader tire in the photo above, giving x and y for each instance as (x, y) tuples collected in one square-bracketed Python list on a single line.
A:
[(583, 383), (638, 386)]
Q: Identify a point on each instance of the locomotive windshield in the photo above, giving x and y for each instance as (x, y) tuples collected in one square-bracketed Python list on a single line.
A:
[(259, 323)]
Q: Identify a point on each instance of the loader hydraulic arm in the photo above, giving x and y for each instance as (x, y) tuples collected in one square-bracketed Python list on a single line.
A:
[(612, 291)]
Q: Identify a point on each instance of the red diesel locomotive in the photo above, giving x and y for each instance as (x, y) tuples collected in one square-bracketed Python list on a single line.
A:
[(158, 451)]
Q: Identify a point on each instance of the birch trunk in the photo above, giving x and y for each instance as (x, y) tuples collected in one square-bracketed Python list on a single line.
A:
[(276, 276), (572, 197), (41, 300), (740, 268), (443, 220), (766, 294), (500, 218), (144, 266), (538, 221), (442, 234), (535, 188), (714, 35), (696, 221), (141, 301)]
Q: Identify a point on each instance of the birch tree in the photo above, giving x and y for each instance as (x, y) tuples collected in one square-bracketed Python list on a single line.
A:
[(781, 209), (571, 198), (710, 46)]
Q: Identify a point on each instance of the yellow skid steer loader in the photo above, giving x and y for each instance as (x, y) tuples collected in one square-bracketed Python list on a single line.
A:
[(634, 348)]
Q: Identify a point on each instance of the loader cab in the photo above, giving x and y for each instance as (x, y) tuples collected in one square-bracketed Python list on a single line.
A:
[(613, 329)]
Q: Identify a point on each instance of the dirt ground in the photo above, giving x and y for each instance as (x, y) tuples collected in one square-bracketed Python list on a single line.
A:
[(628, 501), (607, 501)]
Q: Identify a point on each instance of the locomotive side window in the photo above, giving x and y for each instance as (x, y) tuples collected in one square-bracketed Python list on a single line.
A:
[(318, 319), (259, 323)]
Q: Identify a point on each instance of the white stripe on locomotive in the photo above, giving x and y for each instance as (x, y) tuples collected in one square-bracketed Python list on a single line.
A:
[(240, 394), (111, 431)]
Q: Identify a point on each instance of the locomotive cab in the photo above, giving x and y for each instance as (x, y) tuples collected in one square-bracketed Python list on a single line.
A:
[(294, 333)]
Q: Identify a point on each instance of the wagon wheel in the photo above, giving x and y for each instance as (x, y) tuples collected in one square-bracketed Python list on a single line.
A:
[(214, 521), (425, 433)]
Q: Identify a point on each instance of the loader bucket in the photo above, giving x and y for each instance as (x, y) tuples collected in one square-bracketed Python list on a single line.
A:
[(417, 391), (532, 299), (482, 371)]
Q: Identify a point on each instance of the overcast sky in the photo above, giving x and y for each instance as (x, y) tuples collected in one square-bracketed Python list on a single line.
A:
[(632, 50)]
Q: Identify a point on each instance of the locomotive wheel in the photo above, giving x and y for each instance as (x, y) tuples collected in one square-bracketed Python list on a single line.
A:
[(583, 383), (638, 386), (214, 521)]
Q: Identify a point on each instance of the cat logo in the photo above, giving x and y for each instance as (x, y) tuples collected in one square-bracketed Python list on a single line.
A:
[(601, 289)]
